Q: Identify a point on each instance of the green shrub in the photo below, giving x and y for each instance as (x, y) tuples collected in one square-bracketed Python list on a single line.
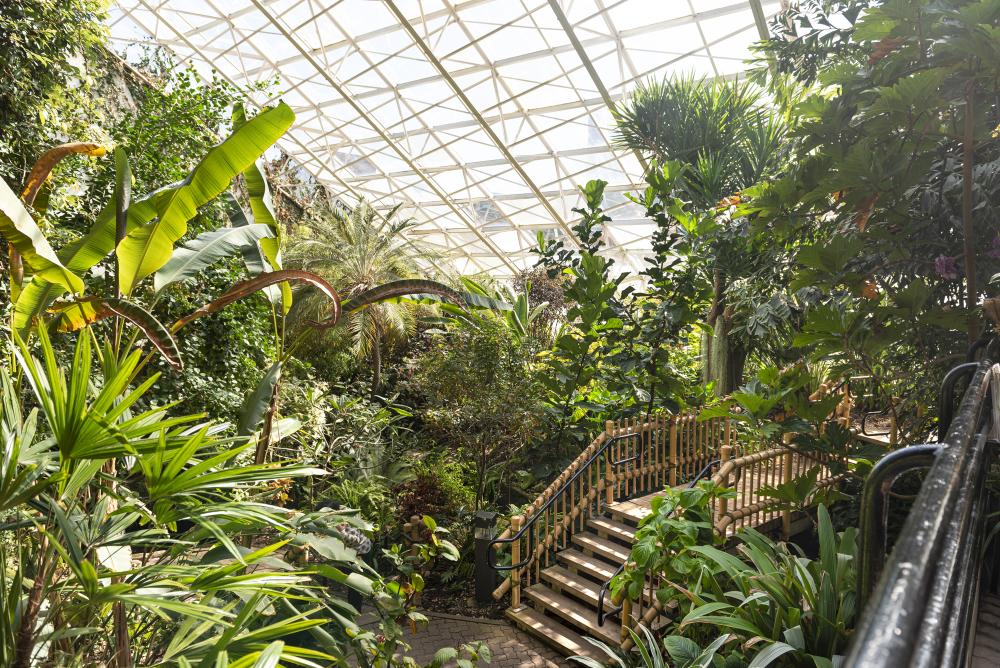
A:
[(438, 489)]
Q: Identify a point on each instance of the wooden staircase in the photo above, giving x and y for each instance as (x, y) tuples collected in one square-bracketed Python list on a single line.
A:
[(578, 533), (562, 607)]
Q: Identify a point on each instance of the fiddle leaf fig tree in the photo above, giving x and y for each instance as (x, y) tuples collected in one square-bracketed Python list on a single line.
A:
[(892, 198)]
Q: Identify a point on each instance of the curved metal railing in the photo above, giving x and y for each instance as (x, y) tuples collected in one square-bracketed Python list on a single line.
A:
[(920, 612), (543, 510)]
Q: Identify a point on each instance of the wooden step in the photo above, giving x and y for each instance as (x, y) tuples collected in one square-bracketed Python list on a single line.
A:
[(606, 528), (554, 633), (629, 512), (616, 553), (585, 564), (572, 584), (579, 616)]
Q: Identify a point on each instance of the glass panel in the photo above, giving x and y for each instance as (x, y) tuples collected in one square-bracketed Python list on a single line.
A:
[(377, 117)]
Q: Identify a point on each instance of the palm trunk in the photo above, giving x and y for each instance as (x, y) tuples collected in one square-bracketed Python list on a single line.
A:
[(376, 366), (24, 641)]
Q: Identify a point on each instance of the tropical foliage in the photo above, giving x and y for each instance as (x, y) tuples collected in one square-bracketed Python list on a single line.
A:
[(227, 393)]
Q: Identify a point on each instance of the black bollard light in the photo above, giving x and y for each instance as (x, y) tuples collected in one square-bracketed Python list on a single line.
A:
[(484, 528)]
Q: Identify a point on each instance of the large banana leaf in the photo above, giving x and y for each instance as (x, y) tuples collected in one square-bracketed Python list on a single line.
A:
[(205, 250), (20, 229), (255, 406), (79, 256), (78, 314), (253, 255), (394, 290), (252, 285), (44, 165), (262, 212), (149, 247)]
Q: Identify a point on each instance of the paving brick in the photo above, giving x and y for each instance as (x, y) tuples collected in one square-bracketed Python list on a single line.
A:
[(511, 647)]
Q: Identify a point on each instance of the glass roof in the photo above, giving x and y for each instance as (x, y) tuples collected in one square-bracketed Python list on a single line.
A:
[(481, 117)]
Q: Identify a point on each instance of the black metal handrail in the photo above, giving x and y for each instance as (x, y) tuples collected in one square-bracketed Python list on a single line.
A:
[(601, 615), (920, 612), (491, 552)]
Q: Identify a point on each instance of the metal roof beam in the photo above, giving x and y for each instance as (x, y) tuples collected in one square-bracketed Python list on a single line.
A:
[(589, 66), (486, 127), (380, 131), (321, 164), (688, 19)]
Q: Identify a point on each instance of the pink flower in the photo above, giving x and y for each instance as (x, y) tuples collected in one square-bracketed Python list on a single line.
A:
[(994, 251), (945, 267)]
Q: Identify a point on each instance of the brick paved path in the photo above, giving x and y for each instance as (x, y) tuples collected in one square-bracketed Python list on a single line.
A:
[(511, 647)]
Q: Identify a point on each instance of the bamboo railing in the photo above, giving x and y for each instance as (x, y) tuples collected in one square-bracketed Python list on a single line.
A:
[(747, 474), (630, 458)]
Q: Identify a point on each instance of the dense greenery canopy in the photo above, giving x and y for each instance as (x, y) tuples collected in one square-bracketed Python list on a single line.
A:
[(235, 408)]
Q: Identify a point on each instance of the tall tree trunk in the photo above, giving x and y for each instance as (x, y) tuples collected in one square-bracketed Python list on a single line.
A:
[(376, 365), (722, 360), (968, 228), (264, 442)]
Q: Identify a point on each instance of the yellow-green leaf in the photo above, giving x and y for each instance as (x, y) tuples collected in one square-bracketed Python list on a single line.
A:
[(149, 247), (20, 229)]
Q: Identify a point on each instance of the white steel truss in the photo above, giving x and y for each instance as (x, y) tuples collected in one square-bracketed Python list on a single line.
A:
[(479, 117)]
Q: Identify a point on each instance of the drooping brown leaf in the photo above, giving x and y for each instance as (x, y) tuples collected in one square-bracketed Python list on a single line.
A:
[(865, 210), (884, 47), (83, 312), (45, 164), (393, 290), (252, 285)]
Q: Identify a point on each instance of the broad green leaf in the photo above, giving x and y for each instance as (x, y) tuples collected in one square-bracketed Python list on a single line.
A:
[(20, 229), (682, 650), (253, 256), (736, 623), (444, 655), (771, 653), (205, 250), (79, 256), (703, 611), (262, 212), (149, 247), (256, 404)]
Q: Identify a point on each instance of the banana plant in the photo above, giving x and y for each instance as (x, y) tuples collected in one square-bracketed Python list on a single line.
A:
[(514, 308), (142, 234)]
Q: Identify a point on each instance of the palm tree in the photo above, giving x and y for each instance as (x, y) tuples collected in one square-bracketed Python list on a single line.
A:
[(727, 138), (357, 251)]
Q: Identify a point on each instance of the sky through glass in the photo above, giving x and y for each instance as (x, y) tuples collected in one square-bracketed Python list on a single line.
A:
[(480, 117)]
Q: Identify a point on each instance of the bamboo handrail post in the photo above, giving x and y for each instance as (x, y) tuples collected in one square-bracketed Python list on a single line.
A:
[(515, 556), (672, 454), (724, 456), (626, 618), (786, 514)]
